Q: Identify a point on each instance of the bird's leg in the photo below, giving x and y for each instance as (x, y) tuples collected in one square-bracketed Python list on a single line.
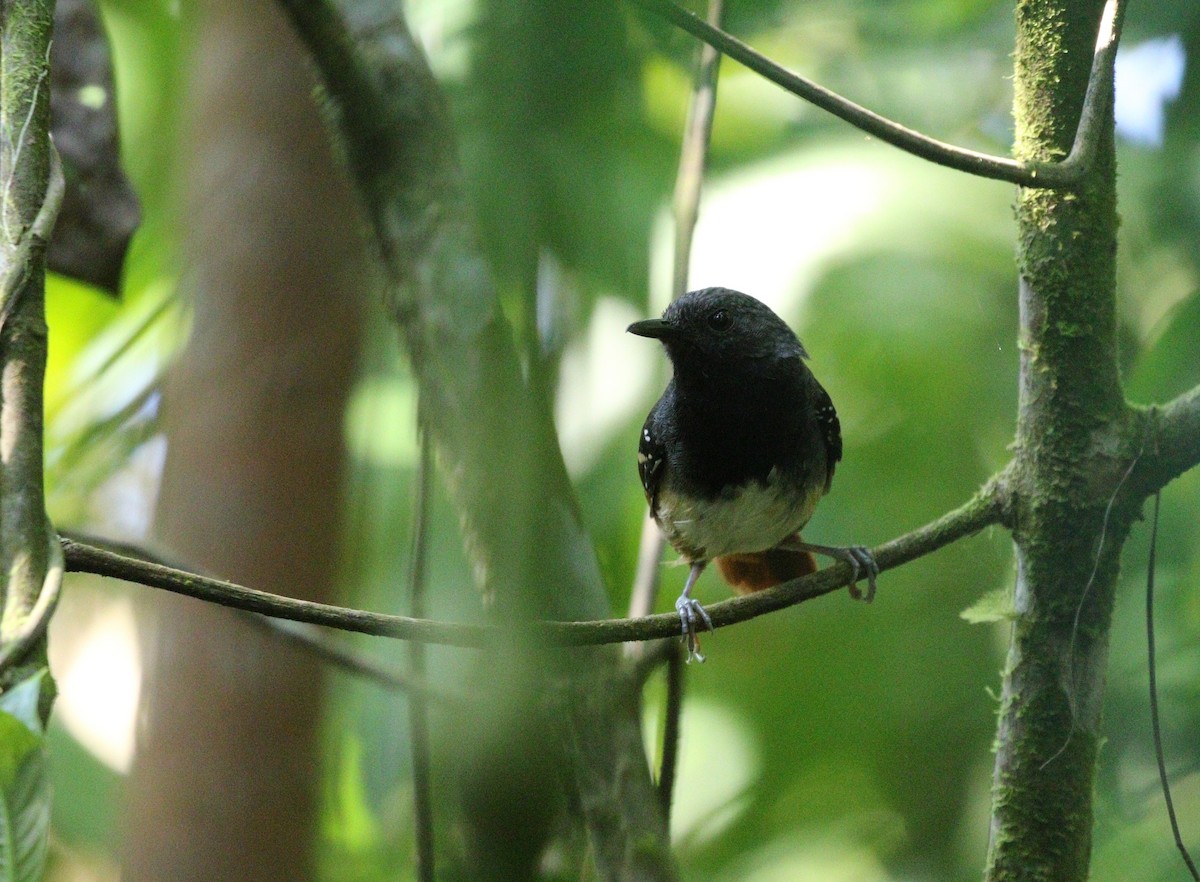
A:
[(858, 556), (692, 614)]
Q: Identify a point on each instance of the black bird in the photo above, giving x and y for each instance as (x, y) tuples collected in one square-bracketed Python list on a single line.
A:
[(739, 449)]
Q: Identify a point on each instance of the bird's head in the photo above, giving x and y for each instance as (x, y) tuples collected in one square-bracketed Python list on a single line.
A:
[(719, 326)]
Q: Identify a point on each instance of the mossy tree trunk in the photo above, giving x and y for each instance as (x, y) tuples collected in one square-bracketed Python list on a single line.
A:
[(1075, 447)]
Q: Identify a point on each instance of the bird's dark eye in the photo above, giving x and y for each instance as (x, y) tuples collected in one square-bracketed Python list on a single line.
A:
[(719, 320)]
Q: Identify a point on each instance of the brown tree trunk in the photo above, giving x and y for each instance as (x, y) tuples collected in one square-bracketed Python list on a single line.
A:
[(225, 779)]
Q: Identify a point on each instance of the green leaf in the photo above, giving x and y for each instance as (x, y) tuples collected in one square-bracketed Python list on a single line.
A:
[(20, 728), (22, 701), (24, 787), (995, 606)]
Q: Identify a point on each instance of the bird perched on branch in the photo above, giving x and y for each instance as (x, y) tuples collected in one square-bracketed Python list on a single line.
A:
[(739, 449)]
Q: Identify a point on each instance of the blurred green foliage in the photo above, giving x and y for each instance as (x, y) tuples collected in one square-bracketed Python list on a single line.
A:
[(25, 793), (830, 741)]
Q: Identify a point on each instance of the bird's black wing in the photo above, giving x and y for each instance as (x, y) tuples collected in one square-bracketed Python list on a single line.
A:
[(652, 457), (831, 429)]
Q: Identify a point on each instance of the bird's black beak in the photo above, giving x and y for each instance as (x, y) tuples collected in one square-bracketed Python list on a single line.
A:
[(660, 329)]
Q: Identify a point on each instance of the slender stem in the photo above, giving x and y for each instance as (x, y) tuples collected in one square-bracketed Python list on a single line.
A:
[(644, 666), (693, 159), (693, 155), (671, 730), (1049, 175), (418, 709), (1092, 118), (646, 579), (84, 558), (357, 663), (985, 509), (1152, 677), (304, 635)]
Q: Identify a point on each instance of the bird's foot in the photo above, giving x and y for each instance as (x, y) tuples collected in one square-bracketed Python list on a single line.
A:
[(692, 616), (860, 558)]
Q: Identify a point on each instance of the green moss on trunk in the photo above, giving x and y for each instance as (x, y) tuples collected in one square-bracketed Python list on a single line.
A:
[(1071, 457)]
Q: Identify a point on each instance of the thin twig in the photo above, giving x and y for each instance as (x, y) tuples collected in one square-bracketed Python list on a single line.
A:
[(693, 161), (693, 154), (983, 510), (418, 710), (1092, 117), (1153, 678), (304, 635), (1050, 175), (671, 730), (646, 577), (693, 158), (644, 666)]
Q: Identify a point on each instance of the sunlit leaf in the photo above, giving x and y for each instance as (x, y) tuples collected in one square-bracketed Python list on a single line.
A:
[(24, 787), (995, 606)]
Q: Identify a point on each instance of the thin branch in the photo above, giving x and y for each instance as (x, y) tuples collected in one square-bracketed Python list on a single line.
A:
[(84, 558), (643, 667), (1093, 116), (1049, 175), (1174, 445), (646, 576), (1152, 677), (693, 155), (671, 731), (693, 158), (304, 635), (418, 710), (985, 509)]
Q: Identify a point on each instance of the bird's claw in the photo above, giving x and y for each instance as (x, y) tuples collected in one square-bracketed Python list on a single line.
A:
[(860, 558), (692, 616)]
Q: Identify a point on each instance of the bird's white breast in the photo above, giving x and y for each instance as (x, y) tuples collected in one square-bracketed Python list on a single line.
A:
[(751, 518)]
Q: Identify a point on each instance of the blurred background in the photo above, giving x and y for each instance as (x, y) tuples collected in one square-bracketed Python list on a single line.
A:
[(245, 408)]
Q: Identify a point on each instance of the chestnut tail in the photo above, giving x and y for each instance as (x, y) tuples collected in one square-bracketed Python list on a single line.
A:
[(746, 573)]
